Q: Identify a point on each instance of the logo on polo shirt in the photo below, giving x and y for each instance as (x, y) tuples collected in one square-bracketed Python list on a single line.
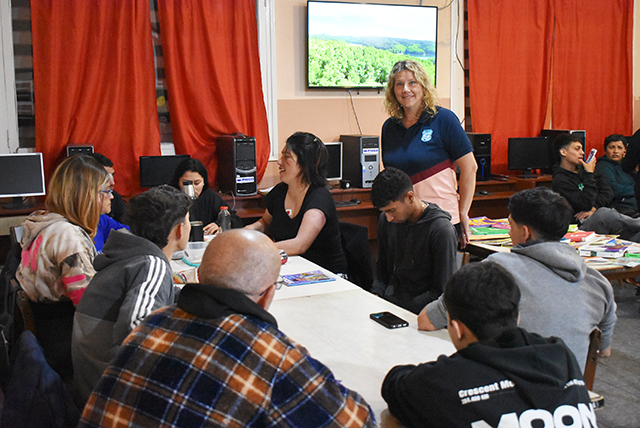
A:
[(426, 135)]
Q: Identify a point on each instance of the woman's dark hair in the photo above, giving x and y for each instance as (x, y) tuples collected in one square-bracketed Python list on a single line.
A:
[(193, 165), (615, 137), (312, 157)]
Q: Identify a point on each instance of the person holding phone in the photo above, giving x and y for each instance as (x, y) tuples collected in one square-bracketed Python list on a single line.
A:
[(587, 192)]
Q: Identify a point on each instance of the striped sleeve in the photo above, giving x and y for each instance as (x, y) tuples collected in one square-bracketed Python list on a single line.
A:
[(145, 298)]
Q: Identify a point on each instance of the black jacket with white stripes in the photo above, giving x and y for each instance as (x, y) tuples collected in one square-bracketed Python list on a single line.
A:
[(133, 279)]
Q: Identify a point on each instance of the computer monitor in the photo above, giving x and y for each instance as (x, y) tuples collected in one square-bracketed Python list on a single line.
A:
[(157, 170), (21, 175), (334, 164), (553, 134), (529, 154)]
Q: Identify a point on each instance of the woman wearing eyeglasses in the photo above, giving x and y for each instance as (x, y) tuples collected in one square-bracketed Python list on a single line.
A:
[(57, 253)]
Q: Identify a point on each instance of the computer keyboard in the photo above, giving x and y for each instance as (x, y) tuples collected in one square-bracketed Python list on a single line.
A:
[(350, 203)]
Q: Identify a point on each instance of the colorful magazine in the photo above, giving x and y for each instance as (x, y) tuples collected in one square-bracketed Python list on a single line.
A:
[(311, 277)]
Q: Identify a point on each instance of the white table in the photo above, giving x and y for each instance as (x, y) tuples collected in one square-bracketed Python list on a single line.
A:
[(332, 321), (297, 264)]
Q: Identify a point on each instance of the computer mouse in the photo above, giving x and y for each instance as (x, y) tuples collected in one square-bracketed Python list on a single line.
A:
[(355, 201), (483, 192)]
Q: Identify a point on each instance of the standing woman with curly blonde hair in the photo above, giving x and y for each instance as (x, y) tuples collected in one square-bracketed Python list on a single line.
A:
[(56, 263), (427, 142)]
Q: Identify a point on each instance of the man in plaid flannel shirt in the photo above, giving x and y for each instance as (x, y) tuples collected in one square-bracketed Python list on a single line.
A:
[(217, 358)]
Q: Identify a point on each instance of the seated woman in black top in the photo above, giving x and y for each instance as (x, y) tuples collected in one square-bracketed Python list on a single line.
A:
[(208, 202), (301, 215)]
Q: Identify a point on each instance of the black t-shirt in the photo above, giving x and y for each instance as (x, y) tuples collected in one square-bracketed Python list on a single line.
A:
[(326, 250)]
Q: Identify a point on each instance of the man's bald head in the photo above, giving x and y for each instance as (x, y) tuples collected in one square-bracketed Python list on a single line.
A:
[(241, 259)]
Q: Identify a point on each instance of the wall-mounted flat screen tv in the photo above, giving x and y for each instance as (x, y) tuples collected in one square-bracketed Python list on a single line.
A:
[(355, 45)]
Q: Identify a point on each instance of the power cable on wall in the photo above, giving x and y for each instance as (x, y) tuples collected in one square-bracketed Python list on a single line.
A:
[(355, 114)]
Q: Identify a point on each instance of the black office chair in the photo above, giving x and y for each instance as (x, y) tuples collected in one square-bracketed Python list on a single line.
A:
[(355, 244)]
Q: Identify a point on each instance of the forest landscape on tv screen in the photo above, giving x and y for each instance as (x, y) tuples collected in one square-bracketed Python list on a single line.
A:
[(355, 45)]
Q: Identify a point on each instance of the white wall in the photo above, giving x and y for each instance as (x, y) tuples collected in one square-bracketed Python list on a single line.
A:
[(8, 114)]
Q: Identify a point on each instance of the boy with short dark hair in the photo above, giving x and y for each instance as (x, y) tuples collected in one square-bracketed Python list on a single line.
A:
[(501, 375), (416, 243), (555, 282), (133, 279)]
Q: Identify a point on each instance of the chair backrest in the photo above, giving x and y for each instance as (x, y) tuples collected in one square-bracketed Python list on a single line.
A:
[(355, 243), (23, 306), (592, 357), (16, 234)]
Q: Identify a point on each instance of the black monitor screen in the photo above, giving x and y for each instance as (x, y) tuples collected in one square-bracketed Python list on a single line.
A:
[(157, 170), (553, 134), (529, 153), (334, 165), (21, 175)]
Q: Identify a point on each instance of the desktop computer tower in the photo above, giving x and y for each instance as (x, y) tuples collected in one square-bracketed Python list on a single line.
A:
[(237, 167), (361, 159), (482, 151)]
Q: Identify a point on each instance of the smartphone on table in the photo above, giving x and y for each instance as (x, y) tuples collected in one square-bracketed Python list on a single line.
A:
[(388, 320)]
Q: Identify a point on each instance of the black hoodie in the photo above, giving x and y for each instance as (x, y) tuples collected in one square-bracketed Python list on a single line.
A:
[(515, 378), (415, 261)]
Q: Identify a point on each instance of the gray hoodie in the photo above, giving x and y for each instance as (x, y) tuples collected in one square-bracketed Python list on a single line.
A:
[(133, 279), (560, 295)]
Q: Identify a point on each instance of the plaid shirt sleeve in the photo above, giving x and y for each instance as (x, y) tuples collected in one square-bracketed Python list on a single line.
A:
[(305, 390)]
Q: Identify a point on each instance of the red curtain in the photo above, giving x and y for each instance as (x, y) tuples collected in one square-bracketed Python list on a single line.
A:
[(509, 69), (94, 82), (210, 50), (592, 68)]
